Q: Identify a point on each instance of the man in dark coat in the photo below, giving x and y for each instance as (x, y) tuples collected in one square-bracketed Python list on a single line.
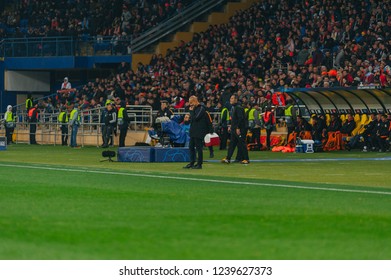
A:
[(200, 125), (110, 123), (238, 132)]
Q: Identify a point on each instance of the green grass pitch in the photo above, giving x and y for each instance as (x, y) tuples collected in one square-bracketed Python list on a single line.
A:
[(62, 203)]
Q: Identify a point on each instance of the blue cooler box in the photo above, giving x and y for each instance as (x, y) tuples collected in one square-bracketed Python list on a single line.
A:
[(3, 143), (308, 146), (172, 155), (135, 154)]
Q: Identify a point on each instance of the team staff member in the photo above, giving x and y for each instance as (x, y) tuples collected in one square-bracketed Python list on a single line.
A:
[(200, 125), (32, 116), (10, 122), (164, 110), (238, 132), (74, 122), (110, 123), (63, 118)]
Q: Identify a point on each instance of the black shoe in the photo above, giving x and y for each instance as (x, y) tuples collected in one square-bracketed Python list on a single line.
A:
[(197, 166), (211, 155), (347, 148), (190, 165)]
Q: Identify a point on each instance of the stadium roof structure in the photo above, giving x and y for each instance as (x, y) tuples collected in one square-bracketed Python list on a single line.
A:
[(356, 100)]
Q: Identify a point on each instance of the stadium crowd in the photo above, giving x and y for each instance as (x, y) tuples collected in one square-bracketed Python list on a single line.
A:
[(259, 54), (85, 17)]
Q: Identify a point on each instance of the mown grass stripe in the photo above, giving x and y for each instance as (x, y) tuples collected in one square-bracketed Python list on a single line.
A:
[(197, 179)]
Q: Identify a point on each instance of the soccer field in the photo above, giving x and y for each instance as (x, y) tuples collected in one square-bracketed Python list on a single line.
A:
[(62, 203)]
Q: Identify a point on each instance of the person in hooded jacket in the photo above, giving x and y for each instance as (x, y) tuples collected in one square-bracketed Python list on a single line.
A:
[(10, 123)]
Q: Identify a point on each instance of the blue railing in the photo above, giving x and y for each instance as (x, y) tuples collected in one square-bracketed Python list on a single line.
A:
[(64, 46)]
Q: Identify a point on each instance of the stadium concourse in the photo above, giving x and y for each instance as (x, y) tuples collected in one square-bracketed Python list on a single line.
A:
[(262, 52)]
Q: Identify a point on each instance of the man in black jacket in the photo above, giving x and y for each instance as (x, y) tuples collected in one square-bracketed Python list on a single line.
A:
[(200, 125), (349, 125), (110, 123), (382, 133), (238, 132)]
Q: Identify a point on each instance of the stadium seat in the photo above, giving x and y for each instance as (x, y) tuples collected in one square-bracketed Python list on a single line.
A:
[(364, 119), (328, 119), (357, 118), (343, 118), (24, 23)]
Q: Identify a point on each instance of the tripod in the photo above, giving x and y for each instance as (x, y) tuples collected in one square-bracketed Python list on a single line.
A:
[(108, 159), (108, 155)]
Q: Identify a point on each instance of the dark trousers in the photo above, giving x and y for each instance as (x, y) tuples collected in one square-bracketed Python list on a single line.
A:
[(240, 142), (33, 130), (382, 142), (223, 138), (195, 146), (369, 140), (268, 134), (64, 135), (123, 130), (108, 135), (8, 132), (256, 135)]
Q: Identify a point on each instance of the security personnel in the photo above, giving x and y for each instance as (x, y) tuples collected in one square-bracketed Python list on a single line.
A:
[(63, 119), (74, 122), (289, 116), (32, 116), (255, 120), (123, 123), (10, 123), (29, 104), (224, 123)]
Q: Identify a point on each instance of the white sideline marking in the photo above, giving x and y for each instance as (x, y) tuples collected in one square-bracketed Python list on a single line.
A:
[(195, 179)]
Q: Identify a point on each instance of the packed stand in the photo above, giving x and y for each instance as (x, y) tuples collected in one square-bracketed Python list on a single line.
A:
[(124, 18), (262, 52)]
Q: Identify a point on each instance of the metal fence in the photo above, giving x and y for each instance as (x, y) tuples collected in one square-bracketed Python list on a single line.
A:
[(49, 132), (65, 46)]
